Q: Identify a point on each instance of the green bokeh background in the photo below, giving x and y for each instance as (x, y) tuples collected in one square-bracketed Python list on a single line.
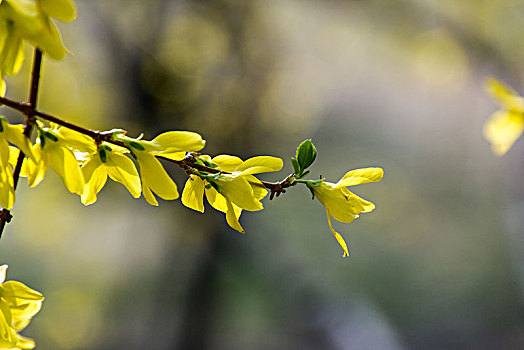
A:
[(396, 84)]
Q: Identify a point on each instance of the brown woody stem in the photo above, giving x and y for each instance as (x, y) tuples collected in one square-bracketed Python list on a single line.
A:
[(5, 215)]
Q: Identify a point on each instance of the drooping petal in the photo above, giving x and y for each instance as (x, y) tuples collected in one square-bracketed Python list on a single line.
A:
[(64, 163), (122, 169), (90, 166), (220, 203), (15, 135), (7, 192), (35, 171), (8, 336), (23, 302), (232, 216), (62, 10), (239, 192), (4, 151), (193, 194), (17, 293), (360, 176), (338, 236), (24, 343), (505, 95), (155, 178), (259, 190), (260, 164), (48, 39), (148, 195), (217, 201), (503, 129), (95, 184), (12, 55)]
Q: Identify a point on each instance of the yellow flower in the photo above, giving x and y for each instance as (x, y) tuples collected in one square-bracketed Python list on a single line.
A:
[(18, 304), (340, 203), (30, 21), (101, 162), (109, 161), (10, 134), (172, 145), (505, 126), (54, 150), (230, 193)]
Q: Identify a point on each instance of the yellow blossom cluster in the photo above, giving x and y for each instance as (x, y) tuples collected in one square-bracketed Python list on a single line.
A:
[(84, 165), (505, 126), (23, 20), (18, 304), (233, 191)]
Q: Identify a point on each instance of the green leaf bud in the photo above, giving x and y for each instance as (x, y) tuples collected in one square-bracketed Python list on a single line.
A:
[(306, 154)]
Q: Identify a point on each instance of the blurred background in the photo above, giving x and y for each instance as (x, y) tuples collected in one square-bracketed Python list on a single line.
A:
[(398, 84)]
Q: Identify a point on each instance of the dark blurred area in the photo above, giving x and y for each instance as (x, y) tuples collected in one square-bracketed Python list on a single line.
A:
[(396, 84)]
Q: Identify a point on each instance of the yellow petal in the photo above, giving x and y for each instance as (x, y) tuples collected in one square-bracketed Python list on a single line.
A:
[(77, 141), (259, 190), (7, 192), (4, 151), (122, 169), (260, 164), (95, 184), (48, 38), (64, 163), (174, 155), (338, 237), (148, 195), (232, 217), (90, 166), (62, 10), (23, 303), (14, 134), (23, 8), (175, 141), (35, 171), (216, 200), (155, 178), (8, 336), (343, 205), (360, 176), (17, 292), (239, 192), (12, 55), (3, 86), (227, 163), (502, 130), (193, 194), (505, 95), (24, 343)]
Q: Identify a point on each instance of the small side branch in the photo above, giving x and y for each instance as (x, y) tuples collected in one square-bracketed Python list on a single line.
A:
[(28, 110)]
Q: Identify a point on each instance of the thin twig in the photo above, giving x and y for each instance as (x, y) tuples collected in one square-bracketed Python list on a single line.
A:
[(6, 216)]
